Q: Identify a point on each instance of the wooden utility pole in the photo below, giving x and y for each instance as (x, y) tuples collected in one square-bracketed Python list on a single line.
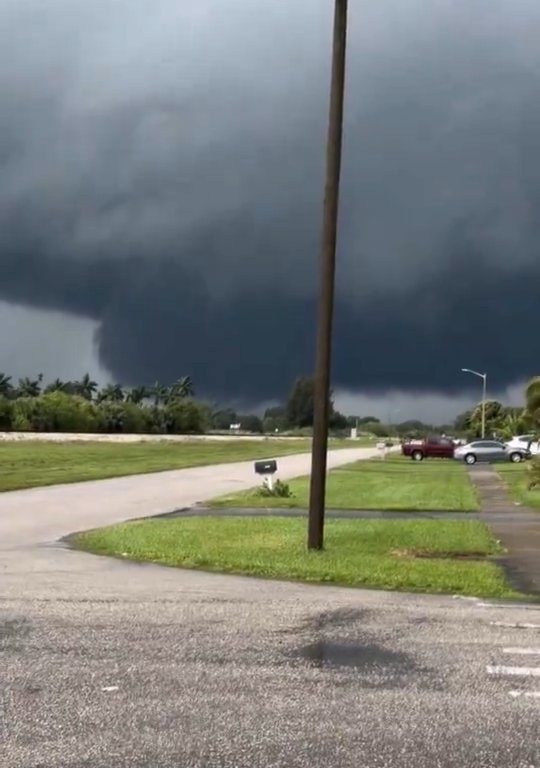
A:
[(328, 268)]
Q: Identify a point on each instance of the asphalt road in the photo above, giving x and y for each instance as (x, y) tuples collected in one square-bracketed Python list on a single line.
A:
[(108, 664)]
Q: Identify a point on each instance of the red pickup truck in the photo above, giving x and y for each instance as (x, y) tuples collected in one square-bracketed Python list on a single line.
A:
[(429, 448)]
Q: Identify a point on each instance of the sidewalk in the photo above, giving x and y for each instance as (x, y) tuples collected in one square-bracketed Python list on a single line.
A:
[(517, 527)]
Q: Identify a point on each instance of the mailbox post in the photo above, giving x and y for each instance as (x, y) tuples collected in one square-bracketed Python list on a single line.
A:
[(267, 469)]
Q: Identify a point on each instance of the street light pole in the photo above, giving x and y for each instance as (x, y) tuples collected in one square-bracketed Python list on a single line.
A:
[(323, 363), (482, 376)]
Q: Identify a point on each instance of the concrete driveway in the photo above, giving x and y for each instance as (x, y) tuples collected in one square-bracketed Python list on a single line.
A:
[(108, 664)]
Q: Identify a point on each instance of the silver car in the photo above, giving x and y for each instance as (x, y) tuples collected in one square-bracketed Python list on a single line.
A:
[(489, 450)]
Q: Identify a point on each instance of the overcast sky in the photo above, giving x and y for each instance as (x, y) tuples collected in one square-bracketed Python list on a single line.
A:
[(161, 191)]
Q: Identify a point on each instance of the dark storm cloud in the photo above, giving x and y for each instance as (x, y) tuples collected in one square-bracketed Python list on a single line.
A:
[(161, 172)]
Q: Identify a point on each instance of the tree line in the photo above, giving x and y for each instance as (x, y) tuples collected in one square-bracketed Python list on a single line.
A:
[(30, 405), (502, 421)]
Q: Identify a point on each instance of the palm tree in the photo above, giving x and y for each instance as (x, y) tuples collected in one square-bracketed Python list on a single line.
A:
[(29, 387), (6, 387), (57, 386), (532, 399), (181, 388), (86, 387), (137, 395), (513, 423), (159, 392), (113, 392)]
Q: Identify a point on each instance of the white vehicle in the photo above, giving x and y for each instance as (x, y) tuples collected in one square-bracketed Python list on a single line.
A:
[(525, 442)]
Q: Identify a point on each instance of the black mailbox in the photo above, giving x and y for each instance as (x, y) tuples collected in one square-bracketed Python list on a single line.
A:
[(266, 467)]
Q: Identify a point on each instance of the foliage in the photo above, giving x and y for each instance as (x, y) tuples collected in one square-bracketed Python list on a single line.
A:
[(275, 419), (338, 422), (532, 400), (86, 387), (29, 387), (300, 405), (250, 423), (112, 392), (159, 392), (137, 395), (78, 406), (54, 412), (414, 429), (223, 419), (6, 413), (59, 386), (186, 417), (462, 422), (501, 421), (6, 387), (121, 416), (181, 388), (376, 428), (279, 490)]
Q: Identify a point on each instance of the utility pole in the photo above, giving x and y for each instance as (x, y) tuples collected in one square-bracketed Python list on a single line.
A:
[(328, 267)]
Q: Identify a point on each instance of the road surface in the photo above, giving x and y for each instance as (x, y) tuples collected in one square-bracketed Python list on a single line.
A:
[(108, 664)]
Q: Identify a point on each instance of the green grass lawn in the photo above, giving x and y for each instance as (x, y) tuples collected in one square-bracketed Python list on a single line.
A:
[(516, 477), (30, 464), (394, 484), (367, 553)]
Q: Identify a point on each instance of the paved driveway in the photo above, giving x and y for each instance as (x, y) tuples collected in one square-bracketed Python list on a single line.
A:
[(107, 664)]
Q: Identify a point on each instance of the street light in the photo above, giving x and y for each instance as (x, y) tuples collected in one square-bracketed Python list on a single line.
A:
[(321, 395), (482, 376)]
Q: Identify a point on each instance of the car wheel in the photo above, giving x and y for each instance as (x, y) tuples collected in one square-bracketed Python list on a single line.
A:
[(516, 457), (417, 456), (470, 459)]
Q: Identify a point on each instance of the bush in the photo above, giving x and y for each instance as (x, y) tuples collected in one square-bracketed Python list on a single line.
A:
[(280, 491), (116, 416), (186, 417), (54, 412), (61, 412)]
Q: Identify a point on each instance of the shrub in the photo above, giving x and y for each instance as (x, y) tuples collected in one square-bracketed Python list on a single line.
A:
[(186, 417), (54, 412), (115, 416), (280, 491)]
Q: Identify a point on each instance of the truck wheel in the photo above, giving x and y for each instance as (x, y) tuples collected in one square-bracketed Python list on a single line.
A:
[(516, 457), (417, 456), (470, 459)]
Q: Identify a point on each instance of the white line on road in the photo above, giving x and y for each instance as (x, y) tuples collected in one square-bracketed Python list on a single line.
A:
[(516, 671), (523, 651), (514, 625), (525, 694)]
